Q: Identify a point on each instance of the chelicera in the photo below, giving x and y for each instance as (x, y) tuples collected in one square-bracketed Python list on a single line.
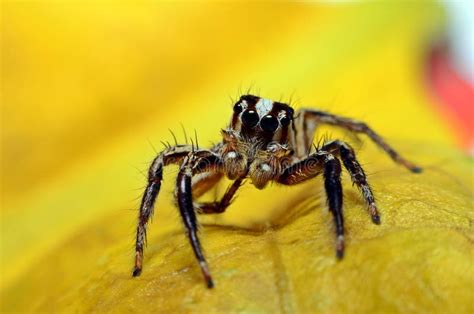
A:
[(265, 141)]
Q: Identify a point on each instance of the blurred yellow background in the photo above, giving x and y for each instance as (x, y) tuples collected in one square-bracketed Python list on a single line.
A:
[(89, 87)]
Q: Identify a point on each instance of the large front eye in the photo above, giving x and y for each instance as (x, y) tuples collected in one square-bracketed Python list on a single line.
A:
[(250, 118), (269, 124)]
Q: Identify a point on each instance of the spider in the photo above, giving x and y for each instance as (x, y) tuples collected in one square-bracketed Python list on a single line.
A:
[(265, 141)]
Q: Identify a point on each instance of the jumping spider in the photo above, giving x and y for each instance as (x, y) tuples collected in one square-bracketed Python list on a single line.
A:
[(265, 142)]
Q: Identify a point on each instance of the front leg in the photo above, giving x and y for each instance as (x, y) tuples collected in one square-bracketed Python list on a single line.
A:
[(326, 163), (310, 118), (192, 165), (172, 155)]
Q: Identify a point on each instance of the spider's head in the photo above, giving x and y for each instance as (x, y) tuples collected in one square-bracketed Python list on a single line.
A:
[(262, 119)]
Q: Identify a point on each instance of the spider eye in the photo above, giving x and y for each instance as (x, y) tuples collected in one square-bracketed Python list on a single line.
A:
[(250, 118), (238, 108), (285, 121), (269, 124)]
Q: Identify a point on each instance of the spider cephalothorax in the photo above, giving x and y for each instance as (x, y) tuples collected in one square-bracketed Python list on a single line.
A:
[(265, 141), (257, 143)]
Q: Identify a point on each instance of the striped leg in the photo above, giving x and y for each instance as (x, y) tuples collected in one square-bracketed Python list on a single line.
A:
[(332, 183), (347, 155), (190, 167), (315, 164), (172, 155), (313, 117)]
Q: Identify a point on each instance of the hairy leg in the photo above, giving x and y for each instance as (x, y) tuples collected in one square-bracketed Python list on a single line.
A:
[(313, 165), (155, 176), (347, 155), (310, 118), (332, 184), (185, 201), (172, 155)]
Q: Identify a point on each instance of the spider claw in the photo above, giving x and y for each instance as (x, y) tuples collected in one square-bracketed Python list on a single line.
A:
[(210, 283), (206, 274), (136, 272), (376, 219), (410, 166), (374, 214)]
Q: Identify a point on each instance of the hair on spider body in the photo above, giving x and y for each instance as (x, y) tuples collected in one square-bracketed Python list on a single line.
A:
[(264, 142)]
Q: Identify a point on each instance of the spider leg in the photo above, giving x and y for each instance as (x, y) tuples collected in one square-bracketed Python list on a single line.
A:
[(347, 155), (332, 183), (219, 206), (171, 155), (190, 166), (155, 176), (312, 117), (203, 182), (313, 165)]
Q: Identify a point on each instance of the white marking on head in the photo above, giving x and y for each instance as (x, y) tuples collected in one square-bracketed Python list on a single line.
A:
[(264, 106)]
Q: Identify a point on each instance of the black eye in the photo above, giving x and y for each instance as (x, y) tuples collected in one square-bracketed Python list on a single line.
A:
[(269, 124), (285, 121), (250, 118), (238, 108)]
